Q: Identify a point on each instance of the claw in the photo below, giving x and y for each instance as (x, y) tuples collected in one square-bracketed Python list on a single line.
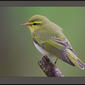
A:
[(55, 61)]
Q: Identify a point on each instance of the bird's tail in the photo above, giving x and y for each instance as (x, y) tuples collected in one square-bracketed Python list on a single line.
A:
[(75, 59)]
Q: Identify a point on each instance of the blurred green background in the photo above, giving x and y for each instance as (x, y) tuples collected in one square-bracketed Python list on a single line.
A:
[(18, 55)]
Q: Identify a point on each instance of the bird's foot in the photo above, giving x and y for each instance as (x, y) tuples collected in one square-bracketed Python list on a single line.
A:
[(55, 61)]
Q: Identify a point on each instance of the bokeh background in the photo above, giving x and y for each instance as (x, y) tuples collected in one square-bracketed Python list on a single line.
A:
[(18, 55)]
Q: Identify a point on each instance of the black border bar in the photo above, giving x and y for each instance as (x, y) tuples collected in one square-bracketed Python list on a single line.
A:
[(42, 3), (42, 80), (42, 0)]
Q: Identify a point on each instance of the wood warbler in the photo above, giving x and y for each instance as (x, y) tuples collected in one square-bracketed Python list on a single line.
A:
[(50, 40)]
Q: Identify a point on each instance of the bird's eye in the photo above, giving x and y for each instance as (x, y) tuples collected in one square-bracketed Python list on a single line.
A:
[(34, 23)]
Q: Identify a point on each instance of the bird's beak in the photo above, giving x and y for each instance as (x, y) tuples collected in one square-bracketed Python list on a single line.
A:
[(25, 24)]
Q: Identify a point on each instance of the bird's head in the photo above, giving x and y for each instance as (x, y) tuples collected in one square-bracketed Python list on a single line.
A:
[(36, 22)]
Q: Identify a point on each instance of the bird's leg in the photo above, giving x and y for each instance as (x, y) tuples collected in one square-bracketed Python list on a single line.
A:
[(56, 61)]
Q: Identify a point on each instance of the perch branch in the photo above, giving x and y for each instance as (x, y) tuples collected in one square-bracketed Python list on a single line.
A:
[(49, 68)]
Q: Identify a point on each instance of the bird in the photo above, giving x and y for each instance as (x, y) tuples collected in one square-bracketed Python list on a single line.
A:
[(49, 39)]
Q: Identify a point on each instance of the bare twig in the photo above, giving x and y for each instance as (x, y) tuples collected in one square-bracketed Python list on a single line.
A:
[(49, 68)]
